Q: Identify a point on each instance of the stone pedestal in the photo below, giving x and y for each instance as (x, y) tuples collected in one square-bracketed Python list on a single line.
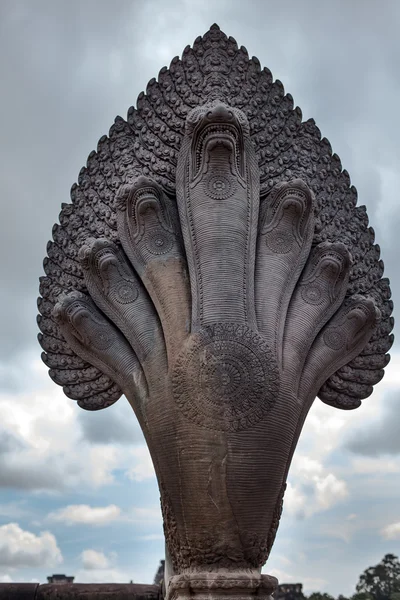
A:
[(236, 585)]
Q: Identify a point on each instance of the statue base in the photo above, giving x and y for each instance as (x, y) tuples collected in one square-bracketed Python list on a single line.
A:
[(235, 585)]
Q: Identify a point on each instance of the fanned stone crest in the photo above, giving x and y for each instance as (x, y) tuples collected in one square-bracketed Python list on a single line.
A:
[(215, 268)]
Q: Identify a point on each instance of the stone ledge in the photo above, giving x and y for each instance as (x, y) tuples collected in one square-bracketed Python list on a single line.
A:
[(79, 591)]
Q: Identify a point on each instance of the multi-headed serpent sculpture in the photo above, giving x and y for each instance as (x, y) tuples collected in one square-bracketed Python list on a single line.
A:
[(214, 268)]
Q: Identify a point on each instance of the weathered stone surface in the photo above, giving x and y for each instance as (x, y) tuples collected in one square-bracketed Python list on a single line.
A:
[(203, 586), (78, 591), (214, 268), (99, 591), (18, 591)]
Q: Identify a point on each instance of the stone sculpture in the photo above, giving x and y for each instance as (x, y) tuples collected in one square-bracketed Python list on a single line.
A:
[(214, 267)]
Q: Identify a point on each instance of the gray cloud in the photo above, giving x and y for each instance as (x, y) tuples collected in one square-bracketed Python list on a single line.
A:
[(32, 472), (117, 424), (20, 475), (381, 436), (22, 469), (9, 442)]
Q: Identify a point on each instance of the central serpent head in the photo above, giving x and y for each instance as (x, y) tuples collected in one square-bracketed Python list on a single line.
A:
[(218, 135)]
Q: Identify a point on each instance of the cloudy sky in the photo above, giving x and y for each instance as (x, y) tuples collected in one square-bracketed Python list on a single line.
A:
[(77, 490)]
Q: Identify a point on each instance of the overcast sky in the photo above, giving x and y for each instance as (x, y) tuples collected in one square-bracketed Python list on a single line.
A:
[(77, 490)]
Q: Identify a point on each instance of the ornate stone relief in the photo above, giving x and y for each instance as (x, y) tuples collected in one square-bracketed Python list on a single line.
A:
[(214, 267)]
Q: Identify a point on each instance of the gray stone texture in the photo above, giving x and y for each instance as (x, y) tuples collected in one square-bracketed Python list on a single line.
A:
[(78, 591), (214, 267)]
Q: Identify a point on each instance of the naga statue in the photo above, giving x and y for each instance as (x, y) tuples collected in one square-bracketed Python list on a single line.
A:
[(213, 267)]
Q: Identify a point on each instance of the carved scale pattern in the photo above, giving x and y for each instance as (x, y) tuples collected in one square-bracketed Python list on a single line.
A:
[(148, 142)]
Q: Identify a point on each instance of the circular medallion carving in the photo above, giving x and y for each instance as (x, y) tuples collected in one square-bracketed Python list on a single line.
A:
[(334, 339), (226, 378), (159, 242), (219, 186), (312, 294), (125, 292), (102, 338), (280, 242)]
